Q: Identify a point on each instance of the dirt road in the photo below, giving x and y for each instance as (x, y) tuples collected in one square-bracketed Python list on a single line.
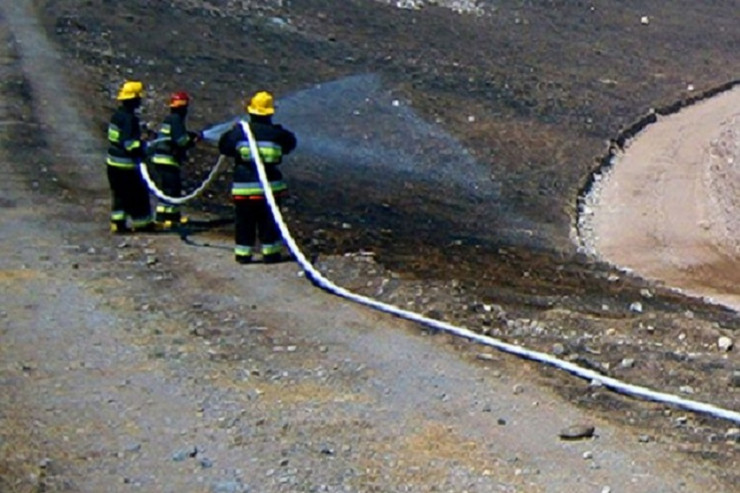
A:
[(144, 363)]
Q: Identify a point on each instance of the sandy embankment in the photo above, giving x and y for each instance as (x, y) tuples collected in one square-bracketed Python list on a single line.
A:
[(669, 207)]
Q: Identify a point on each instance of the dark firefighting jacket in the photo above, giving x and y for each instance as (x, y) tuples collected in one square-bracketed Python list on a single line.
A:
[(173, 141), (273, 142), (126, 148)]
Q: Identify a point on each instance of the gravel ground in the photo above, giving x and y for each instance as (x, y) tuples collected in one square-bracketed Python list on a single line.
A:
[(178, 373)]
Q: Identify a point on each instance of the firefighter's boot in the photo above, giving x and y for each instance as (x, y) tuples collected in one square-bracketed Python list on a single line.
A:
[(272, 258), (163, 225), (243, 259), (119, 227)]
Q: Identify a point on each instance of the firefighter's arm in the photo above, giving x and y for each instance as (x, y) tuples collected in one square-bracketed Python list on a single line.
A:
[(289, 141), (131, 138), (194, 138), (227, 143), (179, 135)]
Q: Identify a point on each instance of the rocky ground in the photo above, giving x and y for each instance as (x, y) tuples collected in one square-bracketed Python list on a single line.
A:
[(533, 91)]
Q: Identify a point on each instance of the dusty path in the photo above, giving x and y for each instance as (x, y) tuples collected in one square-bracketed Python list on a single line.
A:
[(147, 364), (668, 209)]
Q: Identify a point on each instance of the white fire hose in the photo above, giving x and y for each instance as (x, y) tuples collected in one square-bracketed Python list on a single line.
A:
[(592, 376), (323, 282), (181, 200)]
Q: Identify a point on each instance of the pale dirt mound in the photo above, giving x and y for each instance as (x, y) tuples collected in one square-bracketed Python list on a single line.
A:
[(668, 207), (723, 182)]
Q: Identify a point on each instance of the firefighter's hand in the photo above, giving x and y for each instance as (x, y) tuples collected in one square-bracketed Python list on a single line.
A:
[(147, 133), (195, 137)]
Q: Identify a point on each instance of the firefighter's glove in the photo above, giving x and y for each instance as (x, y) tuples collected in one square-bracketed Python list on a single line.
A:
[(147, 133)]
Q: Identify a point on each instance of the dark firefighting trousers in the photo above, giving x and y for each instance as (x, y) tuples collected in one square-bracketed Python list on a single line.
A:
[(130, 198), (254, 220), (170, 183)]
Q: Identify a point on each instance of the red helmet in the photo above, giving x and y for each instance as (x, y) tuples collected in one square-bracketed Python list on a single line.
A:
[(179, 99)]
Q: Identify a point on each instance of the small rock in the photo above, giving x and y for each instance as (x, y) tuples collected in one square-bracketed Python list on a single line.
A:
[(724, 343), (184, 453), (134, 447), (644, 20), (279, 22), (733, 434), (577, 432), (486, 356), (627, 363), (636, 307)]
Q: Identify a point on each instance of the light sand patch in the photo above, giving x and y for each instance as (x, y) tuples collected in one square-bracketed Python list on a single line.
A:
[(668, 207), (16, 275)]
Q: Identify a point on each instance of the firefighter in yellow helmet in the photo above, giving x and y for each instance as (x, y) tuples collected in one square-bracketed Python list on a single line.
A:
[(130, 208), (169, 153), (254, 219)]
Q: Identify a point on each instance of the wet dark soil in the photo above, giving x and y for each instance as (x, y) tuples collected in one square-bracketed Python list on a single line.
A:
[(534, 91)]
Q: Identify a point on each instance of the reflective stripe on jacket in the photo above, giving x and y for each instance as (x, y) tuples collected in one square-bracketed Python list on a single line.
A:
[(173, 141), (270, 152), (273, 142), (254, 188)]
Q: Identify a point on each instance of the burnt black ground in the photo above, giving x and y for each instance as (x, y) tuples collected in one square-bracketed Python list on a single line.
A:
[(548, 84)]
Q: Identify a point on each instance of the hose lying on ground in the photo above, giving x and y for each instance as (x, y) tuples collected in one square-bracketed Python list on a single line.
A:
[(608, 382)]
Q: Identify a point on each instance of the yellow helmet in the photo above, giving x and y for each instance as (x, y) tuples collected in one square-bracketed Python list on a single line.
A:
[(131, 89), (262, 104)]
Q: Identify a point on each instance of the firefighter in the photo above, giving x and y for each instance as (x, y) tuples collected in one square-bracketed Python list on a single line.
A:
[(253, 216), (168, 155), (130, 209)]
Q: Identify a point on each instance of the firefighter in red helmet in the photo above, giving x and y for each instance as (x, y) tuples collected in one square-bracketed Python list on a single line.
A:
[(169, 154)]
